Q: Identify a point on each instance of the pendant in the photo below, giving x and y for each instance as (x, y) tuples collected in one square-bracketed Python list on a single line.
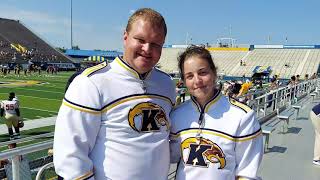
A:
[(199, 137)]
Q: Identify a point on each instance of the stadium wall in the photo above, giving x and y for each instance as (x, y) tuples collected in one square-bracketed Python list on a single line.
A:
[(227, 49), (285, 46)]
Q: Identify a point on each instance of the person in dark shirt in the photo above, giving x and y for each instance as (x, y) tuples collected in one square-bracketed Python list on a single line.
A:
[(71, 78)]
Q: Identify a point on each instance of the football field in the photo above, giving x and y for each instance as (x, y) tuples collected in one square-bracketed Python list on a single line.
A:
[(39, 96)]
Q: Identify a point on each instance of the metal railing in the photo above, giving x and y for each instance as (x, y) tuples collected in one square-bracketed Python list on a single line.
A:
[(264, 105), (14, 155)]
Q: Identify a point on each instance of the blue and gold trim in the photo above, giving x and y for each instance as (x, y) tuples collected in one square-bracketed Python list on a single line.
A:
[(243, 178), (135, 97), (80, 107), (114, 103), (218, 133), (240, 105), (89, 71), (135, 73), (88, 175), (211, 102)]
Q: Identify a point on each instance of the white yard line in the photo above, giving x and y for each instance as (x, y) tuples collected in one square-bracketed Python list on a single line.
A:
[(53, 86), (41, 90), (39, 109), (36, 97)]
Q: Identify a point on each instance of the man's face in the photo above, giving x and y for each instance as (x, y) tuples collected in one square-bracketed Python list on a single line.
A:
[(143, 45)]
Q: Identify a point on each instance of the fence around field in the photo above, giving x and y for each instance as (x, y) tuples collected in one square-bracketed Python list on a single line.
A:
[(265, 104)]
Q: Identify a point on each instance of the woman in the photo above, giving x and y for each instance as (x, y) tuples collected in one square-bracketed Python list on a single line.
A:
[(212, 137)]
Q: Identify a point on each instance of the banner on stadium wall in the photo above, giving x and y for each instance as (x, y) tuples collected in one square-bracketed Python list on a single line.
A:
[(227, 49), (63, 65), (268, 46), (262, 69), (19, 47), (180, 46), (299, 46), (167, 46)]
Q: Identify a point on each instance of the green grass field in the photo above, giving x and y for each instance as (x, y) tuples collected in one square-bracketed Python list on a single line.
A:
[(36, 101), (40, 100)]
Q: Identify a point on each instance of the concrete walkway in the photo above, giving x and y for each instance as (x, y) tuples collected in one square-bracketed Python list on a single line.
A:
[(291, 153), (31, 124)]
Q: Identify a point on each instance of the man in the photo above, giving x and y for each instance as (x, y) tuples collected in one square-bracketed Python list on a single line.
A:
[(10, 111), (315, 119), (114, 119)]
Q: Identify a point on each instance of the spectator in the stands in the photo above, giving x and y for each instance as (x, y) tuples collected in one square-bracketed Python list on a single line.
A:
[(314, 76)]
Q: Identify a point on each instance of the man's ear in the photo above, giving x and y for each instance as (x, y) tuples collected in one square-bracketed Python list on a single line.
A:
[(125, 35)]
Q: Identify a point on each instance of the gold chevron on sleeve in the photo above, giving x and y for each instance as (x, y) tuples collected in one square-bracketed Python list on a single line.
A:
[(81, 108), (240, 105), (95, 68)]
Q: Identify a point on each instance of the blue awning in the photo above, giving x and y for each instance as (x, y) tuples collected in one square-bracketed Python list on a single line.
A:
[(262, 69), (87, 53)]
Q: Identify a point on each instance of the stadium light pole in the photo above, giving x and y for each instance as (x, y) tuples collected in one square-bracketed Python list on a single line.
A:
[(71, 25)]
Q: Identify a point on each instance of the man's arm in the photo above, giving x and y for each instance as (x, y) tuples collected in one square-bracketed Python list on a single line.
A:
[(18, 112), (249, 149), (2, 109), (77, 127)]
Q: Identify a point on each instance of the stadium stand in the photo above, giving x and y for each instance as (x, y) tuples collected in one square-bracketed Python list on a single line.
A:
[(168, 61), (227, 60), (22, 45), (283, 62), (312, 62)]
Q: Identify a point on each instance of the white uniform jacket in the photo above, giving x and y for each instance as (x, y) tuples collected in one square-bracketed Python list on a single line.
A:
[(227, 144), (114, 124)]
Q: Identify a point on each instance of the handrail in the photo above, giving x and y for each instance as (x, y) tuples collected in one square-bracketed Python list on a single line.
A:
[(42, 169), (27, 139), (281, 97), (26, 149)]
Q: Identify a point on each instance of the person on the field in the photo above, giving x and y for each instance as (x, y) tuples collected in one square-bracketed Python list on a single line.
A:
[(114, 119), (212, 136), (10, 111)]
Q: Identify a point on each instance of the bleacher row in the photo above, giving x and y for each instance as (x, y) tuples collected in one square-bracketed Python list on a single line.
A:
[(284, 62), (13, 32)]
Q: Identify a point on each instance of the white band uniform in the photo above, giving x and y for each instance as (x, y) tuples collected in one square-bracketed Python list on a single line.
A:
[(114, 124), (227, 144)]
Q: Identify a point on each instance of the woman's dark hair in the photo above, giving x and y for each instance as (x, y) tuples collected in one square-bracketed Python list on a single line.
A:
[(198, 51)]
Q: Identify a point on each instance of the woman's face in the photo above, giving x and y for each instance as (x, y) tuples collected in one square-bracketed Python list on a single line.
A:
[(199, 79)]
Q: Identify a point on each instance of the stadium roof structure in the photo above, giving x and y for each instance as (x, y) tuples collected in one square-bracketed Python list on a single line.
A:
[(88, 53)]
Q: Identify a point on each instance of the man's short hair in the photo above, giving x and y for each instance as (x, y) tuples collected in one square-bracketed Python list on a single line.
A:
[(150, 15)]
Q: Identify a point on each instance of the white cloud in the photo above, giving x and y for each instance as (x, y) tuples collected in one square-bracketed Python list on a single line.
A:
[(132, 11)]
